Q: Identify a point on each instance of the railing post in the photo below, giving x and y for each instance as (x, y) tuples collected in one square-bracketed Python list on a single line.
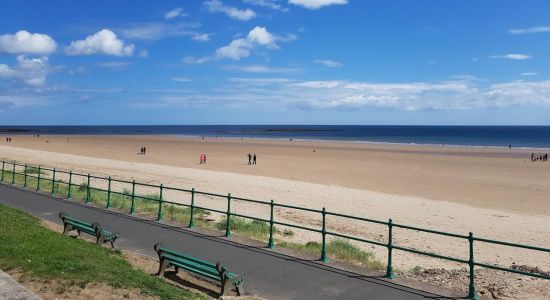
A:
[(191, 222), (38, 179), (271, 244), (70, 184), (472, 288), (228, 217), (160, 214), (324, 257), (109, 193), (13, 174), (389, 268), (3, 163), (25, 180), (53, 182), (88, 189), (132, 208)]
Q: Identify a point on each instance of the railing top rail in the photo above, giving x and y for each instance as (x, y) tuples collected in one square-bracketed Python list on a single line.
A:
[(210, 194), (461, 236), (356, 218), (299, 208), (530, 247), (250, 200)]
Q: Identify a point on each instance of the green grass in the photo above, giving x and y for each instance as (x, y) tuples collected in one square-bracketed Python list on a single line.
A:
[(41, 253), (338, 249), (252, 229)]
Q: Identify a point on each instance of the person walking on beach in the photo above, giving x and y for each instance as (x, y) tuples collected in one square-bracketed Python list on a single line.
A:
[(254, 159), (249, 158), (204, 158), (201, 159)]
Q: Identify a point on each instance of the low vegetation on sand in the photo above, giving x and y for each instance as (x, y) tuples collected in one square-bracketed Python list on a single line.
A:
[(148, 205), (27, 246)]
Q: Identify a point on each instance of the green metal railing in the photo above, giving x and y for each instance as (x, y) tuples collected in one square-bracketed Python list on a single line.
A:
[(323, 213)]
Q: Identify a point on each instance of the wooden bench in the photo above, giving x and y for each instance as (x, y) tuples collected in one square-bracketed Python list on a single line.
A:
[(216, 272), (94, 229)]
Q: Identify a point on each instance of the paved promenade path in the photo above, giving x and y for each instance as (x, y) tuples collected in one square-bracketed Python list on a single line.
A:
[(269, 275), (12, 290)]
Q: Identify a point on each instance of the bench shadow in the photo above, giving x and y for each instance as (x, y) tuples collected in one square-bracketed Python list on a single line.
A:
[(313, 263), (210, 291)]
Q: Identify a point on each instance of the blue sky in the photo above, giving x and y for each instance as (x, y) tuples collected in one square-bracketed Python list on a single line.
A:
[(275, 62)]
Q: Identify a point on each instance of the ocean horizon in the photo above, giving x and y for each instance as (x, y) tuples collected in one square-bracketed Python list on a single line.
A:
[(482, 136)]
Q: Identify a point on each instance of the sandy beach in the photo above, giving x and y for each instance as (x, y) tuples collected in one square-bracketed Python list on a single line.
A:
[(495, 193)]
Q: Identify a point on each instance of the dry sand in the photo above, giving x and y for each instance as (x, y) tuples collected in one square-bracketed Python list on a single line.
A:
[(496, 193)]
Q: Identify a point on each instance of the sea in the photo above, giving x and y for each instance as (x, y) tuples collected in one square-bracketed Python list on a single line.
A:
[(475, 136)]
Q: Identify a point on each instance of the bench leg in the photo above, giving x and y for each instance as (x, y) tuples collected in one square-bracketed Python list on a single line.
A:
[(240, 289), (67, 228), (163, 264), (112, 245), (225, 285), (177, 269)]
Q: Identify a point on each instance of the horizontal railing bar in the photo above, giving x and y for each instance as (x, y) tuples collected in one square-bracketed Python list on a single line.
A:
[(430, 254), (147, 184), (356, 239), (511, 270), (431, 231), (249, 217), (210, 194), (250, 200), (357, 218), (512, 244), (298, 208), (177, 189), (297, 226)]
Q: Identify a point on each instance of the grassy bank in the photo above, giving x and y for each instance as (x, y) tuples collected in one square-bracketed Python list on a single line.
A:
[(40, 253), (148, 205)]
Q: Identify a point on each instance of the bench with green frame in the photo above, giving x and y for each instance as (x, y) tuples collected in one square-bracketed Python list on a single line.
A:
[(216, 272), (70, 223)]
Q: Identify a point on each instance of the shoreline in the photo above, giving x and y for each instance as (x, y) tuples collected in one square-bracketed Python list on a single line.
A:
[(302, 139)]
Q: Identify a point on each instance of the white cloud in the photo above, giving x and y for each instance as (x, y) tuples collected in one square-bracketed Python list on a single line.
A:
[(24, 42), (241, 48), (529, 74), (181, 79), (284, 94), (174, 13), (201, 37), (143, 53), (102, 42), (511, 56), (190, 60), (30, 71), (536, 29), (316, 4), (214, 6), (6, 72), (155, 31), (115, 65), (260, 81), (328, 63), (262, 69), (272, 4)]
